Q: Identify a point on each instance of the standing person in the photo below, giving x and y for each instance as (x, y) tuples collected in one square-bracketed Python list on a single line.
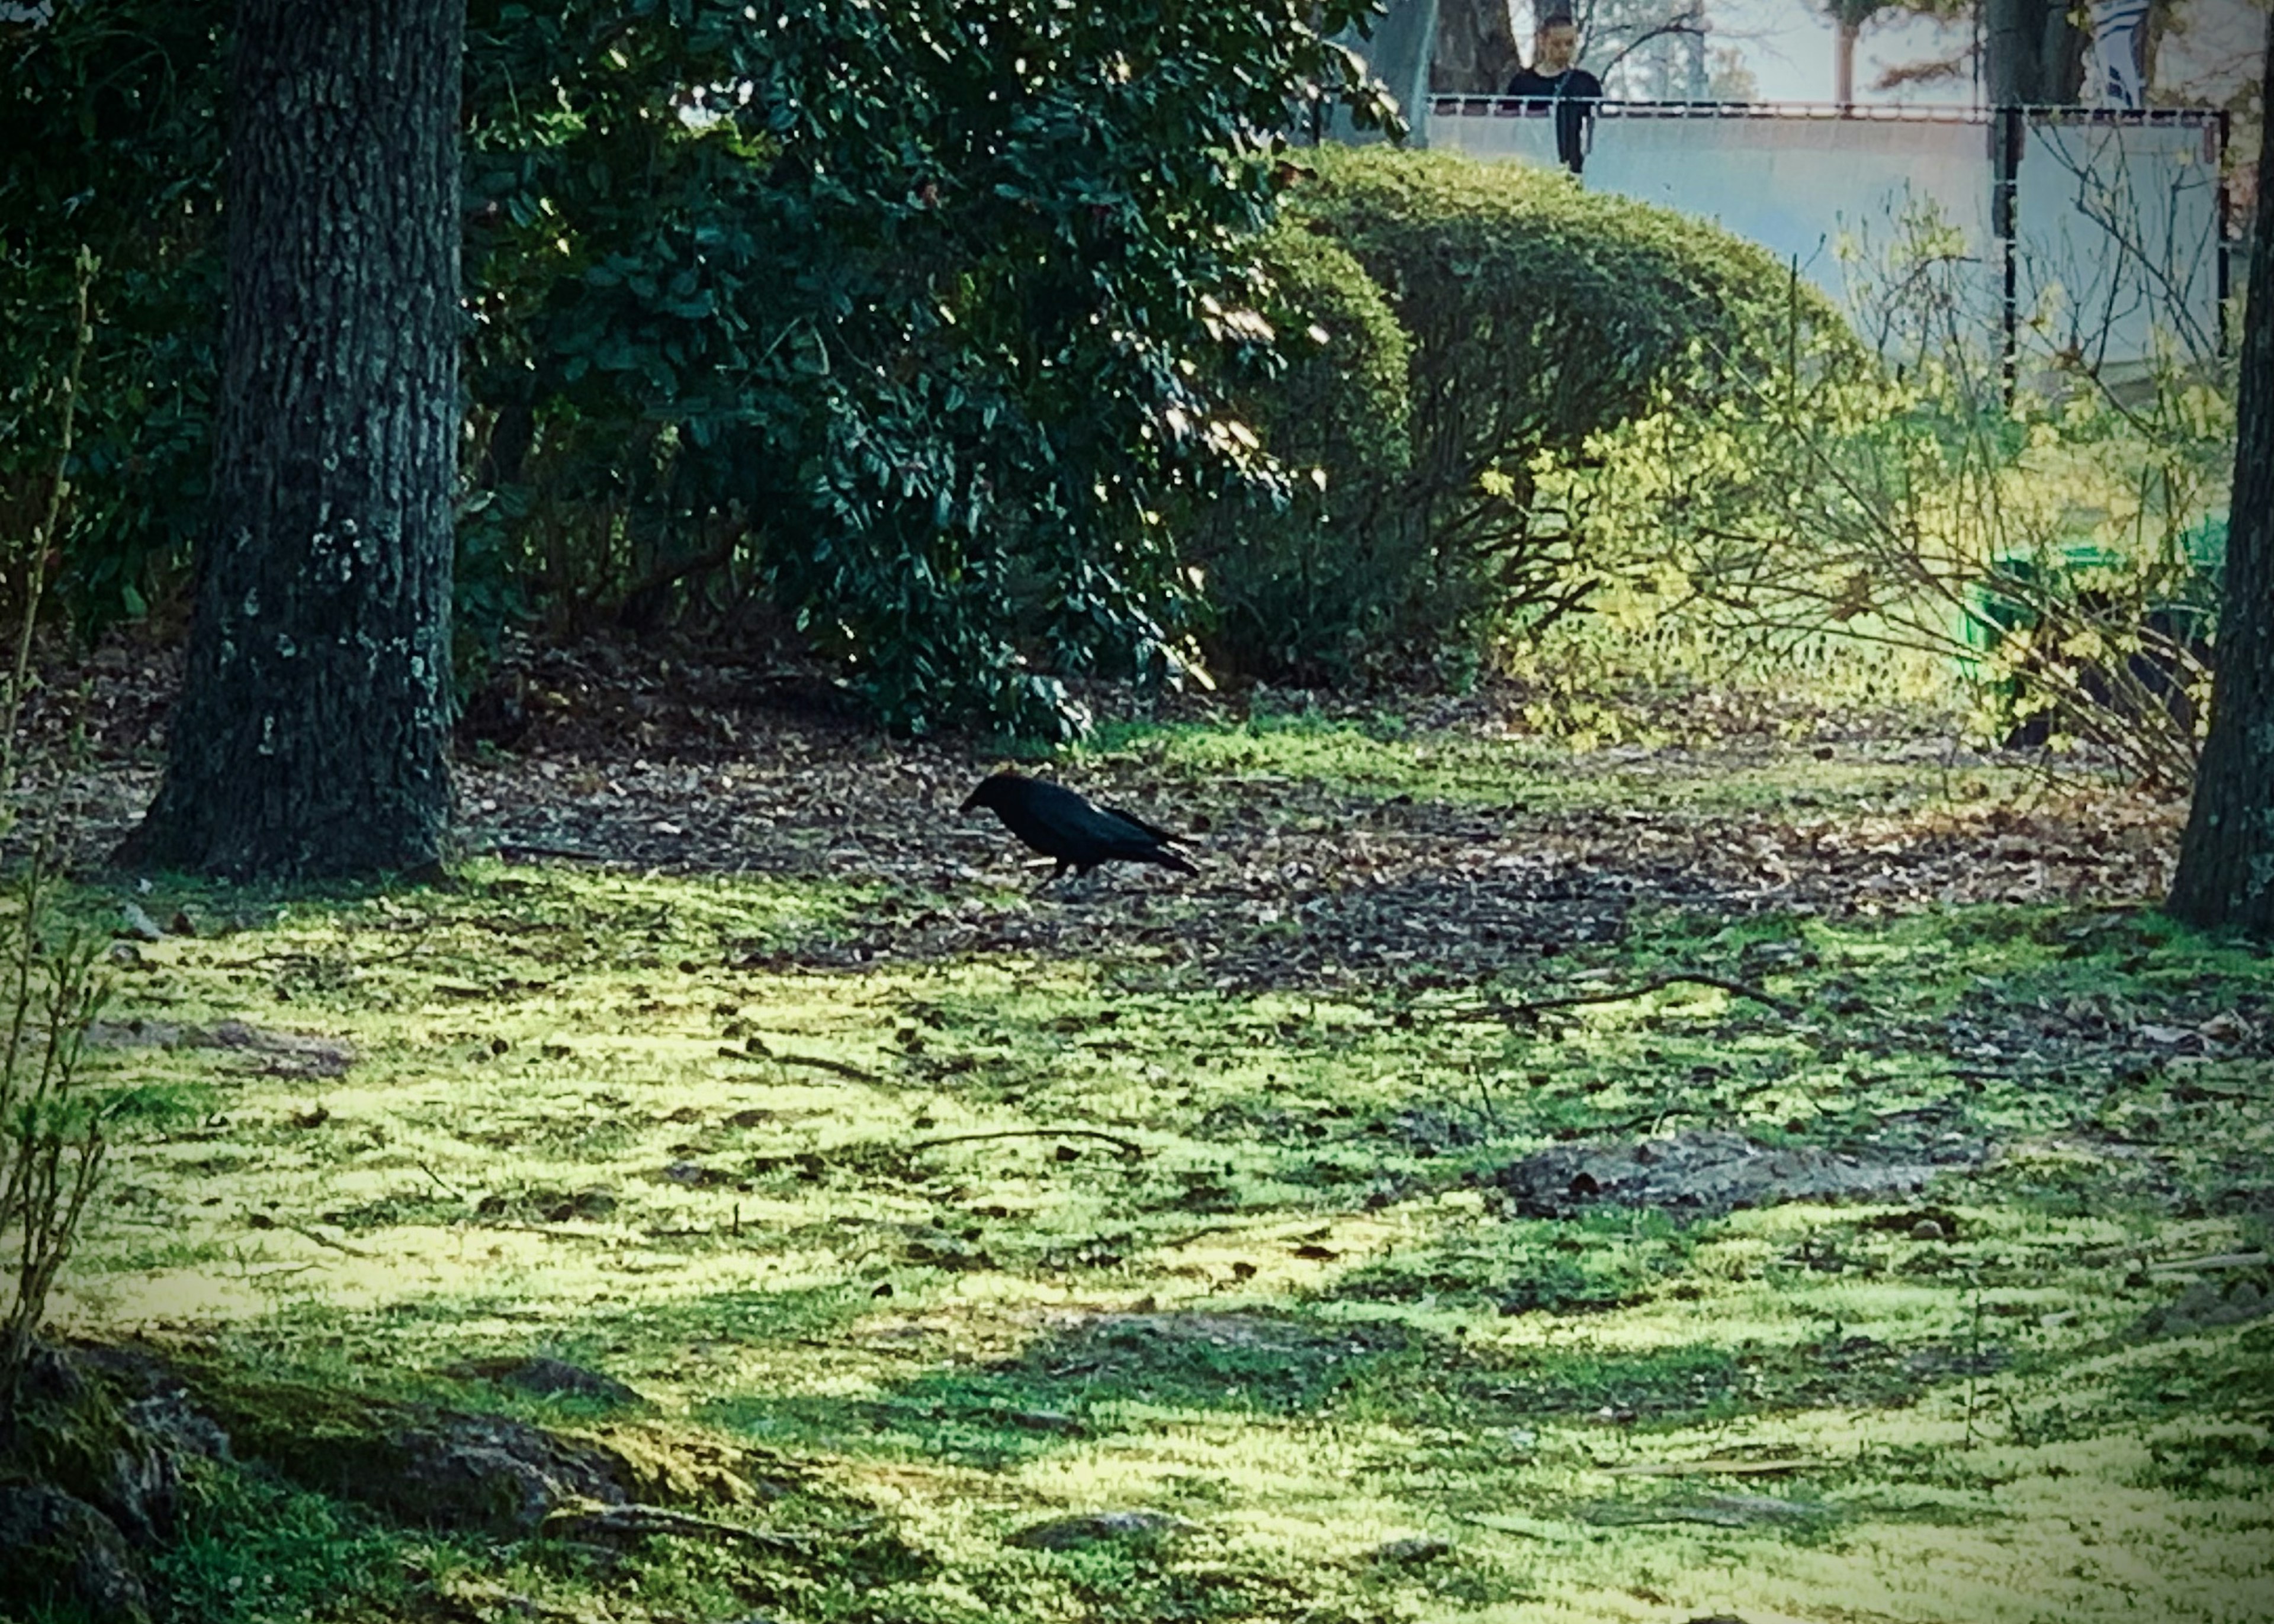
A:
[(1572, 92)]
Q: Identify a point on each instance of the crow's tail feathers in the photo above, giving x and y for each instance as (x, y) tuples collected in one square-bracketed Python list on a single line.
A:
[(1170, 860)]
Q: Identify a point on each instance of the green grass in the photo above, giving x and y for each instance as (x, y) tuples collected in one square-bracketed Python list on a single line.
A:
[(618, 1120), (251, 1549), (1387, 757)]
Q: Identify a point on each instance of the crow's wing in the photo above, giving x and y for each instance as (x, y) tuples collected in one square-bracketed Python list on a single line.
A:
[(1054, 821), (1139, 823)]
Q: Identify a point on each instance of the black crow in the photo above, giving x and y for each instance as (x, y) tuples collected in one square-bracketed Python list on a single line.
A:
[(1059, 824)]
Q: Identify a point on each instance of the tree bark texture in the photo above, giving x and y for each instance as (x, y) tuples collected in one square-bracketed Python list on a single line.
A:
[(2226, 856), (311, 737), (1476, 52), (2033, 56), (2152, 30)]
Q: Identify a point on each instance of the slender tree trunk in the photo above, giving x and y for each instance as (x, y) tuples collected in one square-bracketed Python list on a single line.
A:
[(2005, 25), (2033, 55), (1843, 62), (2060, 56), (312, 733), (1476, 52), (2227, 857), (2151, 42)]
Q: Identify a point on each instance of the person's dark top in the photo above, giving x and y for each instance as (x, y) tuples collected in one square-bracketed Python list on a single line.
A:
[(1573, 93)]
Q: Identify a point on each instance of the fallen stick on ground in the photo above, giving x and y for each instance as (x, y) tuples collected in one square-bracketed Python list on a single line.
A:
[(2218, 1260), (1657, 983), (1129, 1149), (1703, 1469), (817, 1063), (637, 1521)]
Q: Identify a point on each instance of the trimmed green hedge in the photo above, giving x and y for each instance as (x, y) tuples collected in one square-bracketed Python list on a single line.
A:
[(1308, 585), (1535, 316)]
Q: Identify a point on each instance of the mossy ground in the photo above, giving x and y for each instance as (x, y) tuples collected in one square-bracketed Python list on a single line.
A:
[(1237, 1251)]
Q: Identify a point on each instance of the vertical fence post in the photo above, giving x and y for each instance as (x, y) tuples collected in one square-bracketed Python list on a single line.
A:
[(2006, 132), (2225, 227)]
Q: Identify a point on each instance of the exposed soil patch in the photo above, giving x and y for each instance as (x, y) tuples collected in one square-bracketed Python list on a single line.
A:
[(649, 760), (1278, 1361), (660, 761), (1708, 1173), (281, 1054)]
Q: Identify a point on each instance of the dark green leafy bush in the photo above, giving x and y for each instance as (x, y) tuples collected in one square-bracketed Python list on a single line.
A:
[(889, 307), (888, 315), (109, 142), (1316, 582)]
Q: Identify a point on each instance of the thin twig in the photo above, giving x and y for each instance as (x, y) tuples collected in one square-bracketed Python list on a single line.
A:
[(1507, 1525), (1723, 1467), (819, 1063), (1129, 1149), (440, 1182), (2222, 1260), (573, 853), (550, 1231), (35, 553), (1720, 1106), (322, 1239), (637, 1521), (1657, 983), (1200, 1234), (757, 1049)]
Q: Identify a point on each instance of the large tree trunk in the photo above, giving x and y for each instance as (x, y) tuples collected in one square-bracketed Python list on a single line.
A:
[(2032, 55), (1476, 53), (311, 733), (2227, 857)]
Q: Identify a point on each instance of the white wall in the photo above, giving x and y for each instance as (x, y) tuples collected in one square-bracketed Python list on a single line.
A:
[(2117, 221)]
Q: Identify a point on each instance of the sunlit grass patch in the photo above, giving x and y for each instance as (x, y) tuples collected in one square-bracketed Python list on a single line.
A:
[(1384, 761), (986, 1236), (1507, 767)]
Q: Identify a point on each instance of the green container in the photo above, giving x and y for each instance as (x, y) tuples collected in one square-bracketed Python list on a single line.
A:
[(1992, 616)]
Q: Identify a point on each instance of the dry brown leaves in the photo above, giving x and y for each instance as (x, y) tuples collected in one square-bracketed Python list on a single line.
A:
[(649, 761)]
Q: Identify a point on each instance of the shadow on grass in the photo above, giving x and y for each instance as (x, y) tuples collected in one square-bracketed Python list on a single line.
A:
[(1104, 1374)]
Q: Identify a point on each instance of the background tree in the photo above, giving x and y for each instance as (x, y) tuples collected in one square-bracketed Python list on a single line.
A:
[(311, 735), (2032, 53), (2227, 857), (1654, 51), (1658, 45), (1649, 50), (1729, 79), (1476, 52), (1848, 17)]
